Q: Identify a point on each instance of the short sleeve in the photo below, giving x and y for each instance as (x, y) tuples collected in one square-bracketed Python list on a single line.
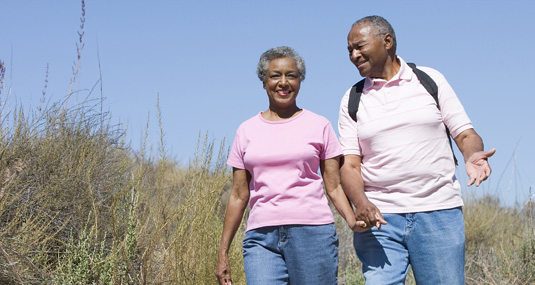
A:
[(332, 146), (235, 158), (347, 129), (453, 114)]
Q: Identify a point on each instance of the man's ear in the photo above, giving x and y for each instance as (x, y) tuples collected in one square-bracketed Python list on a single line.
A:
[(388, 41)]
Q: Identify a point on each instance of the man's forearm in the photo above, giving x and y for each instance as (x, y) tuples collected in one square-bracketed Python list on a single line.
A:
[(468, 143), (353, 185)]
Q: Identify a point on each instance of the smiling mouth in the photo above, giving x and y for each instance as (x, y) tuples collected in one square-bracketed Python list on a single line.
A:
[(283, 92), (359, 65)]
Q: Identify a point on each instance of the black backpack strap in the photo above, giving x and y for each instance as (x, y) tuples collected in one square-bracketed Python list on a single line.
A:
[(354, 99), (427, 82), (432, 88)]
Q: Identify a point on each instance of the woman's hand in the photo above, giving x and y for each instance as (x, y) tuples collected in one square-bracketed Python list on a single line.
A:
[(223, 270), (357, 226)]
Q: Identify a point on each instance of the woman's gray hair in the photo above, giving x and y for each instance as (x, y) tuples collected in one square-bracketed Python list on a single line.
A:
[(280, 52), (381, 26)]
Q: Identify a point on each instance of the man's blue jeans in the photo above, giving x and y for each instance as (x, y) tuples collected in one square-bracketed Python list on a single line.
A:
[(431, 242), (292, 254)]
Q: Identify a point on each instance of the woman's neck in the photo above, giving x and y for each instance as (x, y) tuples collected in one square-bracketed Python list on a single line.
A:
[(273, 114)]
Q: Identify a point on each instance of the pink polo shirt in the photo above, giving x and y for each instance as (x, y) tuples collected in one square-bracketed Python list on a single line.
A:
[(407, 163), (283, 158)]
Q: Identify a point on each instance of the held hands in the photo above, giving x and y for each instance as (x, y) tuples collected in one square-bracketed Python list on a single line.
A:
[(223, 270), (477, 166), (367, 216), (358, 226)]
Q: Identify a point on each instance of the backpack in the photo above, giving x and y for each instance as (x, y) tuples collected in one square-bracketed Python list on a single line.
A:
[(425, 80)]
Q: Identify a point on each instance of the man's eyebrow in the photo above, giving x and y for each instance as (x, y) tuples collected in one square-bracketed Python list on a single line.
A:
[(355, 44)]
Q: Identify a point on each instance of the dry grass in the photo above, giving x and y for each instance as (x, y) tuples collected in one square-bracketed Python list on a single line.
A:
[(77, 206), (181, 225), (500, 248), (55, 172)]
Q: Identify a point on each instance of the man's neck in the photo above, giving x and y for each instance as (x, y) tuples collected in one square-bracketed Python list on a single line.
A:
[(392, 66)]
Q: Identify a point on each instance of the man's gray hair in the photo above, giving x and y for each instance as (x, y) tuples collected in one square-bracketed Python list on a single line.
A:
[(381, 26), (280, 52)]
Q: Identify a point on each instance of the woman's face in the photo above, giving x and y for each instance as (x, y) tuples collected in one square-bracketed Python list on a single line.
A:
[(282, 82)]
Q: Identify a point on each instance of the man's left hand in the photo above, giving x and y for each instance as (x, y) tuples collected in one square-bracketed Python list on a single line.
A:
[(477, 166)]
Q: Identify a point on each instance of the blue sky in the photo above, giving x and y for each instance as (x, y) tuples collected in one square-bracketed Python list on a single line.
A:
[(200, 58)]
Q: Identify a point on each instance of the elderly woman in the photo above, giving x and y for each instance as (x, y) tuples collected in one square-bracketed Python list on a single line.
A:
[(290, 236)]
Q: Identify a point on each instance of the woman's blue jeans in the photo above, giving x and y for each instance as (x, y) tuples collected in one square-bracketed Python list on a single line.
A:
[(431, 242), (292, 254)]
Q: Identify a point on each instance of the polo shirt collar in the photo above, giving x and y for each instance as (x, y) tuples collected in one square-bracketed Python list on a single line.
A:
[(404, 73)]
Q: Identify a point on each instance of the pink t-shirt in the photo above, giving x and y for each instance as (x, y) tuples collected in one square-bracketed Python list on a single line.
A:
[(283, 158), (407, 163)]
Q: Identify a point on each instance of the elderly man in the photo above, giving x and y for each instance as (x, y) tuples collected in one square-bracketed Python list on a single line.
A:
[(399, 169)]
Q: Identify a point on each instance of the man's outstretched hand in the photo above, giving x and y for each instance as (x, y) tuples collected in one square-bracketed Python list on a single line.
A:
[(477, 166)]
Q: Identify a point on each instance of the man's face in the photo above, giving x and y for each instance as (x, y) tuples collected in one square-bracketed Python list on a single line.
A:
[(367, 51)]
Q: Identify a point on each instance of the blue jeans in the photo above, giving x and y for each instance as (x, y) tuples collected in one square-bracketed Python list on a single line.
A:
[(291, 254), (431, 242)]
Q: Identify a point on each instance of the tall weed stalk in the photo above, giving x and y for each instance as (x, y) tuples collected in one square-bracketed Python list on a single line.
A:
[(181, 222)]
